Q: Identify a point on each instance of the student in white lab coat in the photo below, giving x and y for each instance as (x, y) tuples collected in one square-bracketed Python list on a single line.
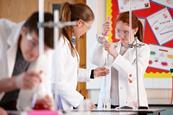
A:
[(18, 52), (121, 87), (67, 71)]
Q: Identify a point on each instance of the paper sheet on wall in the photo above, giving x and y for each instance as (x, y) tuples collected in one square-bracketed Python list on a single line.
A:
[(168, 3), (161, 57), (161, 24), (135, 5)]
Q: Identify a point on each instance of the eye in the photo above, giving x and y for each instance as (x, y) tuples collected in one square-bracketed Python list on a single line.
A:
[(126, 32), (34, 44), (118, 31)]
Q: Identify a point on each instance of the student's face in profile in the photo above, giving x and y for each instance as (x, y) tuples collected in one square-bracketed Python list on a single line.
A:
[(122, 32), (29, 46), (81, 28)]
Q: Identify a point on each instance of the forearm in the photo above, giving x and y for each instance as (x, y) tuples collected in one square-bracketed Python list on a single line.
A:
[(7, 84), (83, 75), (99, 55)]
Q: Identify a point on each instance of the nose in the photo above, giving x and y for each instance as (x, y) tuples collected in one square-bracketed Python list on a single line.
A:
[(35, 53), (121, 34)]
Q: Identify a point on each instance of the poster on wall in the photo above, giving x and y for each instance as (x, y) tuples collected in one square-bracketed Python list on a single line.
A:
[(168, 3), (161, 24), (161, 57), (124, 5)]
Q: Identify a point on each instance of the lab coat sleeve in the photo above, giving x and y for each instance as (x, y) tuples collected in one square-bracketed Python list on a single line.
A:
[(63, 88), (70, 95), (123, 65), (84, 75), (5, 30), (27, 98), (101, 57)]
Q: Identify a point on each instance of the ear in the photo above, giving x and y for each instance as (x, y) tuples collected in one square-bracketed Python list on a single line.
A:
[(79, 23)]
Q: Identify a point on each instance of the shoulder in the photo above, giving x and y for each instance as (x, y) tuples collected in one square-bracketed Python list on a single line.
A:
[(5, 23), (7, 27), (145, 46), (62, 40), (62, 45), (144, 50)]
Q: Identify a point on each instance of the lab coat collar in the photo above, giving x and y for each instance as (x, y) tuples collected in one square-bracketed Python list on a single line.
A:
[(130, 54)]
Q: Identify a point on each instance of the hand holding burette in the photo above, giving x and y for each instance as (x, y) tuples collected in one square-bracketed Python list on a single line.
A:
[(103, 38)]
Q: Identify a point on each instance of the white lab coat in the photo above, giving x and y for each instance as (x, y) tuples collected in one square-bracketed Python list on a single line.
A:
[(126, 67), (67, 74), (9, 34)]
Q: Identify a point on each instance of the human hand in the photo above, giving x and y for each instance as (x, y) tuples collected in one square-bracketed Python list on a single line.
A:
[(92, 106), (103, 38), (87, 105), (100, 71), (45, 103), (107, 27), (3, 112), (28, 80), (110, 48)]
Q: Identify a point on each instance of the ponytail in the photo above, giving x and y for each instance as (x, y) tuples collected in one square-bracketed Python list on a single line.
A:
[(65, 15), (65, 12)]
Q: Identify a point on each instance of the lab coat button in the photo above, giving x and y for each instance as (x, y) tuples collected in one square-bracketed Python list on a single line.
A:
[(130, 75), (130, 78)]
